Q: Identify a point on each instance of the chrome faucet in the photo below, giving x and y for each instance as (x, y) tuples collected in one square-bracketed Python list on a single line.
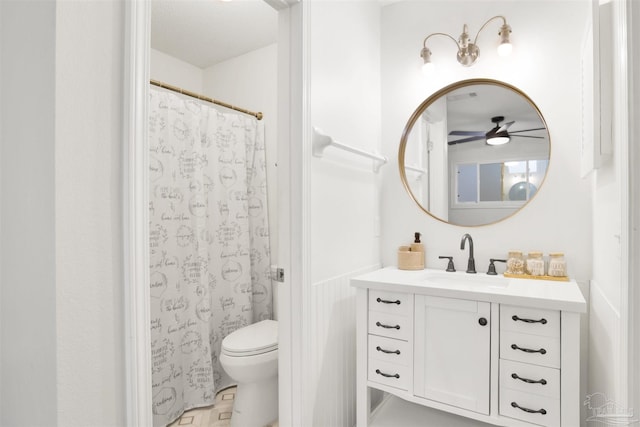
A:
[(471, 265)]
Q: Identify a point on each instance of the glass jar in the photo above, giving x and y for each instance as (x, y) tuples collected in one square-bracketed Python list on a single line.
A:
[(515, 263), (535, 264), (557, 264)]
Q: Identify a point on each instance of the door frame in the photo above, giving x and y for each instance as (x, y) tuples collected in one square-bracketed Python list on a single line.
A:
[(138, 393), (625, 21), (135, 215), (293, 165), (633, 211)]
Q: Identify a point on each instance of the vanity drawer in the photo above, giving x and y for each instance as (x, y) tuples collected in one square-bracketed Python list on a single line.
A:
[(390, 325), (536, 349), (529, 378), (528, 407), (391, 302), (389, 350), (389, 374), (532, 321)]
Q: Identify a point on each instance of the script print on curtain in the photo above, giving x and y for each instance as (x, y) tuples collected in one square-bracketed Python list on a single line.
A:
[(209, 245)]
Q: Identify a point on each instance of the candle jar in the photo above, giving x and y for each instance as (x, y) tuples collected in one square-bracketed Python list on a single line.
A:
[(535, 264), (557, 264), (515, 263)]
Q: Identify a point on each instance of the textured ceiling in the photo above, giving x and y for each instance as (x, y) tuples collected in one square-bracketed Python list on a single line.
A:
[(205, 32)]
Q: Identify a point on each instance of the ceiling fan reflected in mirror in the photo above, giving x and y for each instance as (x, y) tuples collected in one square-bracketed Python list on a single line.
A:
[(498, 135)]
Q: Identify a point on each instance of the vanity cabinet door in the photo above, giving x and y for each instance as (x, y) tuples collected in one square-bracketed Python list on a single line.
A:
[(452, 352)]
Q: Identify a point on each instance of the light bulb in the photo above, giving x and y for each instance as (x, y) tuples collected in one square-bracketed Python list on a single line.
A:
[(428, 68), (504, 49)]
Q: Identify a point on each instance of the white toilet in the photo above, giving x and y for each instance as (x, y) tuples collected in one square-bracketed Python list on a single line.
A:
[(250, 357)]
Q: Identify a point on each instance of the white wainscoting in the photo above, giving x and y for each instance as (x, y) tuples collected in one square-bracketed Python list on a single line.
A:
[(331, 347)]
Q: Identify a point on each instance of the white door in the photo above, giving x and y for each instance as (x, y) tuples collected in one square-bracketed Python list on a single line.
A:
[(452, 352)]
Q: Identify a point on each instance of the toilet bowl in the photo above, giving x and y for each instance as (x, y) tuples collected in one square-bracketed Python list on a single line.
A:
[(250, 357)]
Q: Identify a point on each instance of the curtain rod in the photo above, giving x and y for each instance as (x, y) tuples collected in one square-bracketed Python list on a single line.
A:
[(257, 115)]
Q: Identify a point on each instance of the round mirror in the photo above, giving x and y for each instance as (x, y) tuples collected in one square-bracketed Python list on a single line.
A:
[(474, 153)]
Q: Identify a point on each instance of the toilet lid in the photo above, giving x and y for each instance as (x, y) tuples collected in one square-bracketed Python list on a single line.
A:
[(260, 337)]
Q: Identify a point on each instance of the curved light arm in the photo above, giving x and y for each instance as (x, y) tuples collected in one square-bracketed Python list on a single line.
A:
[(504, 22), (424, 43)]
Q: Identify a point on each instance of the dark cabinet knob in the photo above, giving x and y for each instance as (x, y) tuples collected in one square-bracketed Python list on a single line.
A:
[(482, 321)]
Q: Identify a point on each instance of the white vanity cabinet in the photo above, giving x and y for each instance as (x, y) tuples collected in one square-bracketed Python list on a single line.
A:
[(530, 364), (452, 352), (500, 351), (389, 343)]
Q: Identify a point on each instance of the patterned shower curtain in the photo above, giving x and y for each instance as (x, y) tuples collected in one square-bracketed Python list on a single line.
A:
[(209, 245)]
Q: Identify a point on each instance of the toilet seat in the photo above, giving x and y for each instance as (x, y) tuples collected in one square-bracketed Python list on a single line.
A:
[(257, 338)]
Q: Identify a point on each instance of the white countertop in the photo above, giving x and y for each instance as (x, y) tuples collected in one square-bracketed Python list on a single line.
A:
[(565, 296)]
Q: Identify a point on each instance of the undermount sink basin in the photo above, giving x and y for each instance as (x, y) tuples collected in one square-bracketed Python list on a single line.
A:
[(460, 278)]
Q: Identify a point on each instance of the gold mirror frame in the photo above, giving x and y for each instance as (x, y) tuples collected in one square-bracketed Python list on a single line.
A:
[(435, 97)]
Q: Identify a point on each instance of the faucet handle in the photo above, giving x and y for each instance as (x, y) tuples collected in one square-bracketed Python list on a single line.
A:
[(450, 266), (492, 267)]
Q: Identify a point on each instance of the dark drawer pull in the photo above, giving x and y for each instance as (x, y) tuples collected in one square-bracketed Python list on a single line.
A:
[(387, 375), (516, 319), (528, 381), (388, 326), (387, 351), (528, 350), (531, 411), (385, 301)]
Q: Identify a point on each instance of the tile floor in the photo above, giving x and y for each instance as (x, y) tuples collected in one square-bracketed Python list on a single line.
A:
[(218, 415)]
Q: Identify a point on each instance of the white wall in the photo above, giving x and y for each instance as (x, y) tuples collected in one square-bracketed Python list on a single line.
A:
[(28, 363), (88, 220), (62, 317), (345, 104), (545, 64), (344, 101), (167, 69)]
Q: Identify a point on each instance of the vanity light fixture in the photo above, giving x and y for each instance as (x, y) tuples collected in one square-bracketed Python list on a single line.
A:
[(468, 52)]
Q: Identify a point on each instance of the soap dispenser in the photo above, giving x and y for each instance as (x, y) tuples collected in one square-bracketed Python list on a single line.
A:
[(411, 257), (416, 246)]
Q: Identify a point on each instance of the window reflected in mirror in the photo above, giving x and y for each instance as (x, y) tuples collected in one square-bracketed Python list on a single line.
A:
[(511, 181)]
